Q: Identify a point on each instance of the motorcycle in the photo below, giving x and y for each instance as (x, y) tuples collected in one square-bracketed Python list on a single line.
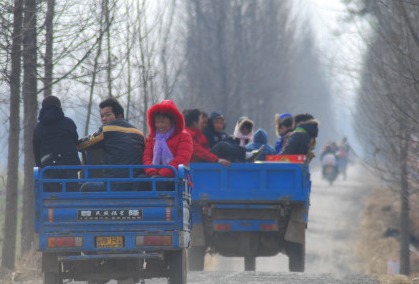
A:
[(330, 169), (330, 173)]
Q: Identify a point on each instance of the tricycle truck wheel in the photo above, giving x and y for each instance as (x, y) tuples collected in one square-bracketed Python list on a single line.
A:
[(196, 258), (249, 263), (52, 278), (177, 264), (296, 257)]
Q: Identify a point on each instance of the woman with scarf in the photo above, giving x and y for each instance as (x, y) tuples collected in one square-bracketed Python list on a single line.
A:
[(168, 142)]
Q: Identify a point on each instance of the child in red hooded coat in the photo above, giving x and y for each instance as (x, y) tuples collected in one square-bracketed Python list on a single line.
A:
[(168, 142)]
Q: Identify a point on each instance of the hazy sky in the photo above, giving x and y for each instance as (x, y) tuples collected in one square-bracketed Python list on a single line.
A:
[(340, 49)]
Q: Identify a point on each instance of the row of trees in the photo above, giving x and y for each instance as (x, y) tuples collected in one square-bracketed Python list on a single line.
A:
[(253, 58), (388, 102), (240, 57)]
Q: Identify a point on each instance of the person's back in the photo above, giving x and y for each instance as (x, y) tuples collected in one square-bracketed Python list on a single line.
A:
[(54, 143), (55, 137), (301, 139), (260, 138), (329, 159)]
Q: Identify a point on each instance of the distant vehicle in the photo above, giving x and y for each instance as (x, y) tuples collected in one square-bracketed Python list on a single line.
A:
[(330, 168), (249, 210), (96, 234)]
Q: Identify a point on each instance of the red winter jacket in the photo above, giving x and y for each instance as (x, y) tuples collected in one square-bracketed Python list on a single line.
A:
[(180, 143), (201, 150)]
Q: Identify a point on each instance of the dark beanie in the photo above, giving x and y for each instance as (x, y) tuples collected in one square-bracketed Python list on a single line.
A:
[(51, 101), (214, 115)]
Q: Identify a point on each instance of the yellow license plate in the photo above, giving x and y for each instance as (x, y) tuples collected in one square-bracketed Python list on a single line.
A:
[(110, 242)]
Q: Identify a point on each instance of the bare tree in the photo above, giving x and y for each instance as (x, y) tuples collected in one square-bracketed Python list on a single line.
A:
[(108, 37), (388, 101), (246, 58), (49, 39), (10, 224), (29, 93)]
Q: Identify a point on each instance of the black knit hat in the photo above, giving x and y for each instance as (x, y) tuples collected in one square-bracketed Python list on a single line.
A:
[(51, 101)]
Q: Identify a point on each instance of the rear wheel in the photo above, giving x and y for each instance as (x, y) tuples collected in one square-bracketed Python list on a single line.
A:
[(196, 258), (52, 278), (177, 267), (296, 257), (249, 263)]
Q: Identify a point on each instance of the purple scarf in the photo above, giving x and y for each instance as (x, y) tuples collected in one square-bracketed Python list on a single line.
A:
[(161, 152)]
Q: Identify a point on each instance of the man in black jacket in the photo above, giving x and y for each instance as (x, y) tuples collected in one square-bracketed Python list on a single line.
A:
[(120, 142), (302, 140)]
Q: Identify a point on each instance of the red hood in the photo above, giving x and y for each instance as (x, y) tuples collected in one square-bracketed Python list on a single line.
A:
[(165, 107)]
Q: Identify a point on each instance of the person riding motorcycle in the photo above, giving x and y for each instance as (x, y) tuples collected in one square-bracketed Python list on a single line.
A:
[(329, 159)]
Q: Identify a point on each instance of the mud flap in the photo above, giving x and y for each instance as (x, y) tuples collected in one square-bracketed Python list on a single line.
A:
[(296, 225), (197, 235), (50, 262)]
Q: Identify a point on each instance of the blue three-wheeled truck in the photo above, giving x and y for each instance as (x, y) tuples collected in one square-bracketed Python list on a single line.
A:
[(96, 229), (250, 210)]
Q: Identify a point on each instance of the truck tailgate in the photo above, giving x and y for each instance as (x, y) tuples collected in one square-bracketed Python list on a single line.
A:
[(250, 182)]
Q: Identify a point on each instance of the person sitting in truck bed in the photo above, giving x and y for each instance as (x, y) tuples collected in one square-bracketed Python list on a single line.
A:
[(168, 142), (54, 143), (243, 131), (119, 141), (223, 152), (284, 123), (302, 139), (260, 138), (215, 131)]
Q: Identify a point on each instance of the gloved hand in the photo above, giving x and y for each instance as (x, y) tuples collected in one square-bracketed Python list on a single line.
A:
[(150, 171)]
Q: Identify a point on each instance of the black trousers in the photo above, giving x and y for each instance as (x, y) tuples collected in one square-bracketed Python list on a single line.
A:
[(61, 174), (229, 151)]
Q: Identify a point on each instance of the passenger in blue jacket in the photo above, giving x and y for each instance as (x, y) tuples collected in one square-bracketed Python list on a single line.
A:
[(284, 125), (260, 138)]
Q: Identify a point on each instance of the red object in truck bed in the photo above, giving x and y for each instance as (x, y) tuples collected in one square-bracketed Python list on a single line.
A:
[(295, 159)]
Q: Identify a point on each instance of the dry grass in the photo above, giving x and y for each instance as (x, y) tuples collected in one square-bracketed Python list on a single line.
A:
[(28, 268), (374, 248)]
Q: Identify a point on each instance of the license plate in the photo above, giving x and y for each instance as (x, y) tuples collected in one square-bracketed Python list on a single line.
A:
[(110, 242)]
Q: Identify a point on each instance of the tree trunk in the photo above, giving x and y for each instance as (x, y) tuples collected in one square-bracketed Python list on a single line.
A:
[(29, 93), (49, 39), (93, 83), (10, 224), (108, 35), (404, 211), (144, 71), (129, 46)]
